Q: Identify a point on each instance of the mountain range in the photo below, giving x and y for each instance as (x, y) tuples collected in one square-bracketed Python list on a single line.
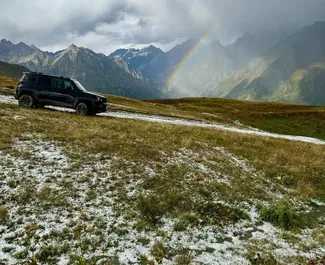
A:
[(194, 68), (275, 65), (95, 71), (272, 66)]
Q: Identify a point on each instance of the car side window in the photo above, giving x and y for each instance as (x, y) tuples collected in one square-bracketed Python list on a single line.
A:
[(60, 84), (44, 80), (67, 84), (33, 79)]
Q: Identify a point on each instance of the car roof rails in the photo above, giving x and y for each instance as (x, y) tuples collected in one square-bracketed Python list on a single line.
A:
[(32, 72)]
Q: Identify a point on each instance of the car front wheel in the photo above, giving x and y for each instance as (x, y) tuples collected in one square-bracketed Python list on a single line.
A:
[(82, 109), (26, 101)]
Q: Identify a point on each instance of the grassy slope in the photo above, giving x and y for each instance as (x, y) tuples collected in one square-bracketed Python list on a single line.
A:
[(8, 84), (13, 70), (102, 134), (148, 172), (269, 116)]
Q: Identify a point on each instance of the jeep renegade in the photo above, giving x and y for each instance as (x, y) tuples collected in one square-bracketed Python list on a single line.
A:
[(38, 90)]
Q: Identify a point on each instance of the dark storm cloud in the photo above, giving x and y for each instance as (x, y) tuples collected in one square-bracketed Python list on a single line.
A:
[(107, 24)]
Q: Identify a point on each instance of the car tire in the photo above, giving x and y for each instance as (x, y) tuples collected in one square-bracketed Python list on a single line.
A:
[(82, 109), (26, 101)]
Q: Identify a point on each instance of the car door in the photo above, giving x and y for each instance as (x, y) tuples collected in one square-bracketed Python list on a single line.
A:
[(44, 88), (63, 92)]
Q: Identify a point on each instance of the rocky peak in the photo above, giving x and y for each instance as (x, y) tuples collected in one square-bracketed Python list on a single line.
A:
[(72, 47), (152, 48), (217, 44), (34, 47), (6, 42)]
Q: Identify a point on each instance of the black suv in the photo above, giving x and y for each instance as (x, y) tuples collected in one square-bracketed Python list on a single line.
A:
[(38, 90)]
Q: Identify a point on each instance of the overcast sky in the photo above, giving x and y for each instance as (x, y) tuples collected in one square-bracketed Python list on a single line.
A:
[(105, 25)]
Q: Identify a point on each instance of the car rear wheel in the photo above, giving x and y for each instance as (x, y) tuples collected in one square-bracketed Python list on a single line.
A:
[(82, 109), (26, 101)]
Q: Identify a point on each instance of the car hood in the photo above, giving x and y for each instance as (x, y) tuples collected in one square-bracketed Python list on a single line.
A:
[(94, 94)]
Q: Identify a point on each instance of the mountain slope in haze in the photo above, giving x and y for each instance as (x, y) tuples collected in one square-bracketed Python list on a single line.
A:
[(150, 62), (250, 46), (207, 65), (12, 70), (199, 70), (194, 68), (291, 71), (96, 71)]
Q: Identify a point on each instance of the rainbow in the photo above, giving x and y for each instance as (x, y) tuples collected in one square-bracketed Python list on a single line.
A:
[(196, 47)]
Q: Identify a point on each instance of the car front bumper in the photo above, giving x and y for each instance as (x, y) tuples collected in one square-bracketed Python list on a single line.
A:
[(100, 107)]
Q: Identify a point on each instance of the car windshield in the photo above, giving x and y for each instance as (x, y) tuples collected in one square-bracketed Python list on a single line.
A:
[(79, 86)]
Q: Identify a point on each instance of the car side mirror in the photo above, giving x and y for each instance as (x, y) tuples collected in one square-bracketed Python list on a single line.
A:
[(69, 88)]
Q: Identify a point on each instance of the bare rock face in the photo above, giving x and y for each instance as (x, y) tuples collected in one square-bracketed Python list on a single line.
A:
[(96, 71)]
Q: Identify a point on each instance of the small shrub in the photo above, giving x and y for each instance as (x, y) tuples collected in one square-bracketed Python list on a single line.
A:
[(283, 215), (185, 220), (151, 207), (185, 259), (91, 195), (3, 214), (12, 184), (51, 198), (143, 241), (27, 193), (47, 252), (7, 250), (159, 251), (216, 212), (143, 260), (267, 259), (191, 218), (181, 225)]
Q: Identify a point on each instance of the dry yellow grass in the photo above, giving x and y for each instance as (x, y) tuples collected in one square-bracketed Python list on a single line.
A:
[(8, 84)]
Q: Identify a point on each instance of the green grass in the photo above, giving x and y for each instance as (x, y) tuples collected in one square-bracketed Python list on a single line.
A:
[(173, 194), (269, 116), (283, 214)]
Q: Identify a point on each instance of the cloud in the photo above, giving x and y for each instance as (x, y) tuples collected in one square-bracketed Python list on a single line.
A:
[(104, 25)]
